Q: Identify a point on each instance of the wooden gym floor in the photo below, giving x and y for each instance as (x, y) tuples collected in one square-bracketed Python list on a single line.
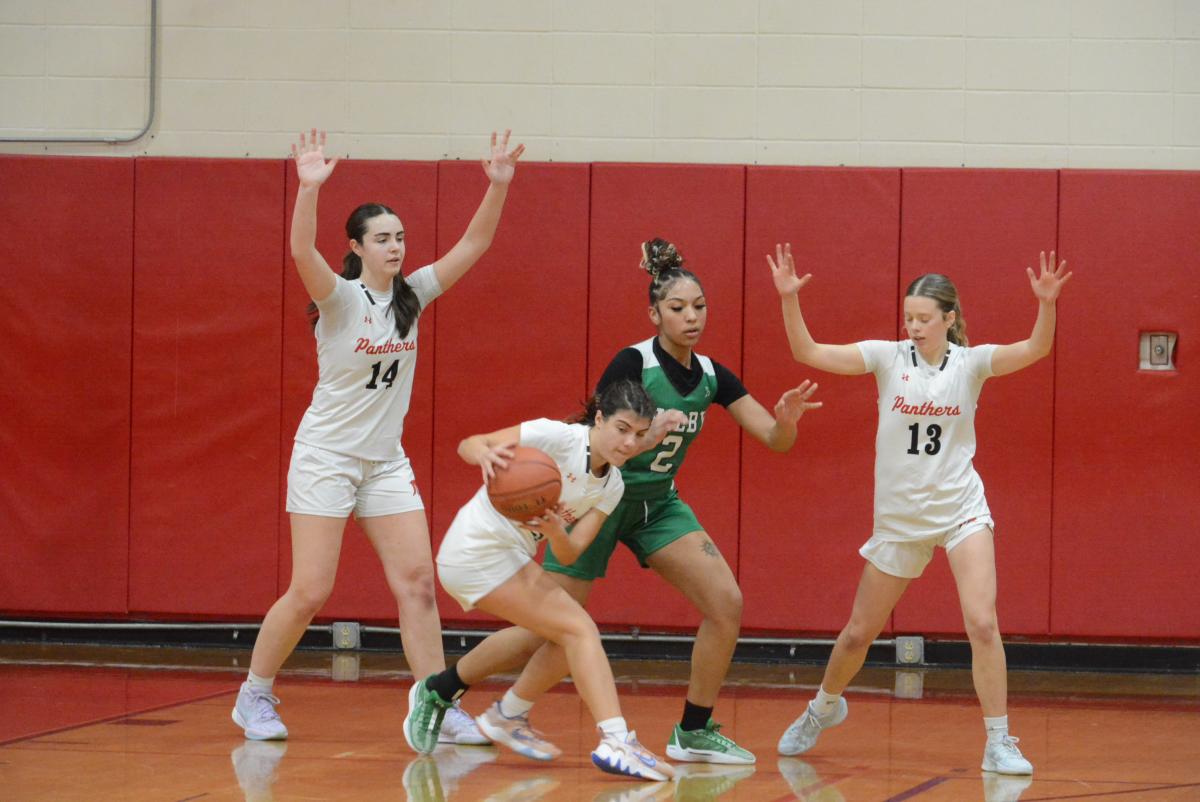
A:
[(107, 723)]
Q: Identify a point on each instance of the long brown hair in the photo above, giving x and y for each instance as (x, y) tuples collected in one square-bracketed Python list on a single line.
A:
[(945, 294)]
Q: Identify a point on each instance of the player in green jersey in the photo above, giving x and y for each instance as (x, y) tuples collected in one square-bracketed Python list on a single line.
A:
[(651, 519)]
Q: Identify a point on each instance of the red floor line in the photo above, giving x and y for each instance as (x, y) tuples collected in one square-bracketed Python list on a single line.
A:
[(118, 717), (916, 790)]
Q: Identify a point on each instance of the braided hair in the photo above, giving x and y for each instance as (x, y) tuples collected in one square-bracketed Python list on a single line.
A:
[(663, 261)]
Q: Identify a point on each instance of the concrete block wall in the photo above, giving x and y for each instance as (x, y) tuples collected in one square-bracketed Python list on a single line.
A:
[(991, 83)]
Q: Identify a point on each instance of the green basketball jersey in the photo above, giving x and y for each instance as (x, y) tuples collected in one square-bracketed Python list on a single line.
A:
[(652, 474)]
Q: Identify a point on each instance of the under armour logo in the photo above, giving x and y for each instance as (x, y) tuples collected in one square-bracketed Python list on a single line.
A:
[(570, 477), (904, 377), (366, 318)]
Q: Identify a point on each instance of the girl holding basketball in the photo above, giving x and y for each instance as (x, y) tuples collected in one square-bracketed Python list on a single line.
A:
[(348, 455), (486, 561), (927, 493), (654, 523)]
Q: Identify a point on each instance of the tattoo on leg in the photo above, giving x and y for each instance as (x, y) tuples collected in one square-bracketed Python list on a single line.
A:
[(710, 548)]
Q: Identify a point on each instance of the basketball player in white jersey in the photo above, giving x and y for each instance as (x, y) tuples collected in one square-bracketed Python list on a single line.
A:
[(487, 561), (927, 493), (348, 456)]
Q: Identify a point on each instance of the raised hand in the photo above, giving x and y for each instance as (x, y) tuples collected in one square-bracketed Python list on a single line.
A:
[(795, 403), (1049, 282), (783, 271), (311, 166), (503, 162)]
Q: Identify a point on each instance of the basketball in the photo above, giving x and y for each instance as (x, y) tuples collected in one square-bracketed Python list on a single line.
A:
[(527, 487)]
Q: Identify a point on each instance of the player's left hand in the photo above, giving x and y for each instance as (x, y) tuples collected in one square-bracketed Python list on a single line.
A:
[(1049, 282), (795, 403), (503, 162), (549, 520)]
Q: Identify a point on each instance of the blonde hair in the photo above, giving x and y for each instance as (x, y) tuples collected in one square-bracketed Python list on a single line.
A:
[(942, 290)]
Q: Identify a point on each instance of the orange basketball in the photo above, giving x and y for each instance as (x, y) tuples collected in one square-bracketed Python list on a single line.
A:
[(527, 487)]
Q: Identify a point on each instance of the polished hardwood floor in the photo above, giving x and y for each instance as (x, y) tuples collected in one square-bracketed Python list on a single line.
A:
[(106, 723)]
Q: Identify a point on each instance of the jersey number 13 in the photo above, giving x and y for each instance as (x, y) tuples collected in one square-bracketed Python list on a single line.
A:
[(933, 432)]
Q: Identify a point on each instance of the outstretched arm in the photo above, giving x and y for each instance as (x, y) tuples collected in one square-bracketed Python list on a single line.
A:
[(1046, 284), (777, 433), (478, 237), (843, 359), (316, 276)]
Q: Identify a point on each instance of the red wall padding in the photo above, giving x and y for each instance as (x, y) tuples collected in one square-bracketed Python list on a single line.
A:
[(200, 362), (699, 208), (812, 506), (1127, 442), (409, 189), (982, 228), (512, 334), (204, 484), (66, 247)]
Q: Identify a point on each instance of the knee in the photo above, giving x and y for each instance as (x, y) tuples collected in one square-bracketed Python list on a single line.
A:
[(724, 606), (577, 631), (982, 628), (415, 585), (309, 596), (856, 636)]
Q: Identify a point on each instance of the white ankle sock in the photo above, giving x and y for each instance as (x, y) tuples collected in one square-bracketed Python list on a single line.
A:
[(614, 726), (997, 727), (825, 703), (261, 683), (512, 705)]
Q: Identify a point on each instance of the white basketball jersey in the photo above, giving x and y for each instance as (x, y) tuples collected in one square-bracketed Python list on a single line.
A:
[(365, 370), (925, 482), (479, 528)]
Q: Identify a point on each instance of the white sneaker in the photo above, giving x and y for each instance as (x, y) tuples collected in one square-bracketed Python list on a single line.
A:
[(802, 735), (1003, 757), (630, 758), (254, 712), (254, 764), (459, 728), (516, 734), (1004, 787)]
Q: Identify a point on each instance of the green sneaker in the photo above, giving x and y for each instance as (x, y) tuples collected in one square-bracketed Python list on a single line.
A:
[(706, 746), (424, 720)]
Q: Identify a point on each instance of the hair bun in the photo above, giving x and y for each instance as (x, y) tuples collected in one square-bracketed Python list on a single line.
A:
[(659, 255)]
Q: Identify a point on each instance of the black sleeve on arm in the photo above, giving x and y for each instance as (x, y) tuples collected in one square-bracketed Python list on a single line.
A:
[(729, 386), (627, 364)]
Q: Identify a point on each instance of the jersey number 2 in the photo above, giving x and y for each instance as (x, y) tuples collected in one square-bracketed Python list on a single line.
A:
[(670, 445), (933, 446), (389, 375)]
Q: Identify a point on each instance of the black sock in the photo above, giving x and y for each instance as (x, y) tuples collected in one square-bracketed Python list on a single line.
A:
[(695, 717), (447, 684)]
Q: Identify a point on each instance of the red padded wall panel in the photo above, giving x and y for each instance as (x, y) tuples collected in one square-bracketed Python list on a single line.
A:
[(66, 252), (700, 208), (410, 189), (812, 506), (982, 228), (511, 335), (1127, 442), (206, 351)]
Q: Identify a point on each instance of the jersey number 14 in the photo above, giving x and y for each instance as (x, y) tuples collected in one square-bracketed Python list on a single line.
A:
[(389, 375)]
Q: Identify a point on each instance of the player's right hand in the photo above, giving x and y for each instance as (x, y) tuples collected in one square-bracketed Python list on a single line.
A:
[(495, 458)]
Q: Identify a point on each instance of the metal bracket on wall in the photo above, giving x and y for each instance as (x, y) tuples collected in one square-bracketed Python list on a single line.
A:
[(1156, 350), (910, 650), (345, 635)]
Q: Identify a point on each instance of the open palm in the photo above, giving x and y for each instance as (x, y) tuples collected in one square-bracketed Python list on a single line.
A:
[(503, 162), (783, 271), (1048, 283), (311, 167)]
